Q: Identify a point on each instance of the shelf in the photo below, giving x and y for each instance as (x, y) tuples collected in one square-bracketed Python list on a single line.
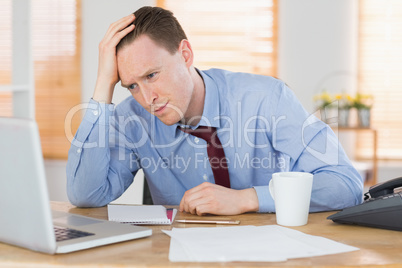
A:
[(352, 128)]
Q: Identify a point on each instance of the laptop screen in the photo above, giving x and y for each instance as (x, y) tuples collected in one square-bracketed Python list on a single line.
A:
[(24, 203)]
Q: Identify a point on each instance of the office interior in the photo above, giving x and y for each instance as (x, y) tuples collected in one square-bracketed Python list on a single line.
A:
[(317, 45)]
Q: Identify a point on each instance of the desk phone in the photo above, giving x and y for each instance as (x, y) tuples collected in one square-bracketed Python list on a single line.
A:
[(382, 207)]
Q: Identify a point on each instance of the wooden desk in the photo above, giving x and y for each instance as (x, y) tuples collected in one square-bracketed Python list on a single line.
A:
[(377, 247)]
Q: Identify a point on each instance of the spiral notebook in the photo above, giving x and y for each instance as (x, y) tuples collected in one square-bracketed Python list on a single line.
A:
[(141, 214)]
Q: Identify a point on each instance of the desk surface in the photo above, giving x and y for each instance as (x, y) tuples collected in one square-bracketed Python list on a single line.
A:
[(377, 247)]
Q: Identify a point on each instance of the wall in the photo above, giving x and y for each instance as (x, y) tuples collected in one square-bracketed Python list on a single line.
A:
[(317, 46), (318, 50)]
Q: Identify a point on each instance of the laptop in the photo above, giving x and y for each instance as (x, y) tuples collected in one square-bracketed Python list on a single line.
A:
[(26, 219)]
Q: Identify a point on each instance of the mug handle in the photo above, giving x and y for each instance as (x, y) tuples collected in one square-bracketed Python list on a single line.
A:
[(271, 188)]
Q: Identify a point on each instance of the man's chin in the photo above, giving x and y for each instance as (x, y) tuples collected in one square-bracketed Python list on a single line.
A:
[(169, 121)]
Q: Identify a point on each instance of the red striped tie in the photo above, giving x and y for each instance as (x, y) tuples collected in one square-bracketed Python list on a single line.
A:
[(215, 152)]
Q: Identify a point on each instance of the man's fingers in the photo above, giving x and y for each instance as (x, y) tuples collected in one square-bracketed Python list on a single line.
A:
[(118, 36), (219, 200), (116, 32), (197, 198), (202, 209), (201, 206), (188, 196), (196, 205), (119, 25)]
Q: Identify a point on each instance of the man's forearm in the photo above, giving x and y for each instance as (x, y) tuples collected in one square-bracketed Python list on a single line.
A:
[(88, 161), (333, 191), (103, 92), (87, 170)]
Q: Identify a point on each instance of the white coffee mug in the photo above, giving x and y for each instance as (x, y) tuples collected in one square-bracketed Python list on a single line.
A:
[(291, 192)]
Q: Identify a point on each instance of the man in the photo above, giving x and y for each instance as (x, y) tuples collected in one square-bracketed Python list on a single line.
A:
[(259, 123)]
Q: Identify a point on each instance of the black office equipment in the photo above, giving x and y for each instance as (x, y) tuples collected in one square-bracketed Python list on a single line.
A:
[(382, 208)]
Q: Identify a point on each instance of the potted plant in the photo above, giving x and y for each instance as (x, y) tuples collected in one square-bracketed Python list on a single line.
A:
[(363, 104), (345, 103), (323, 103)]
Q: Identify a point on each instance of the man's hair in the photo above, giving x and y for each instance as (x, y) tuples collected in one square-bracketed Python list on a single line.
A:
[(158, 24)]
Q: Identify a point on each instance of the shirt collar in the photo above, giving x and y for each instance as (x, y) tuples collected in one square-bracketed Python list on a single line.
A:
[(211, 111)]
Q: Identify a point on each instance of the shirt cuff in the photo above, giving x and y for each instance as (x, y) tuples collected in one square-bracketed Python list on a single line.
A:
[(98, 112), (265, 201)]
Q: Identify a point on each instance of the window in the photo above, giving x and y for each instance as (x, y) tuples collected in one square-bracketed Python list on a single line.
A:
[(56, 54), (235, 35), (5, 56), (380, 68)]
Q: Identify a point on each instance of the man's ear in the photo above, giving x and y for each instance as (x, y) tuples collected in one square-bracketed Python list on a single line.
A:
[(186, 52)]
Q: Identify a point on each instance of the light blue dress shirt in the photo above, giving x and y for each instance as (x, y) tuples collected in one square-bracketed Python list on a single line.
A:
[(261, 125)]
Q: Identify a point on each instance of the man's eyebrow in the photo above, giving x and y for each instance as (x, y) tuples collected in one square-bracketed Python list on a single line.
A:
[(146, 73), (124, 85)]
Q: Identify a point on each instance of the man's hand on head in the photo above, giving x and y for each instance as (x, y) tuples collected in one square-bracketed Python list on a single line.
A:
[(107, 69), (209, 198)]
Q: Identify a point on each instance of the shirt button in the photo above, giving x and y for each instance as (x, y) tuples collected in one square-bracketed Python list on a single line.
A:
[(196, 140), (79, 150), (205, 177), (95, 112)]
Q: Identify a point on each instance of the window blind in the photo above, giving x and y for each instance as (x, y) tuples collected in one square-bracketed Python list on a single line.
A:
[(5, 57), (380, 68), (56, 54), (230, 34)]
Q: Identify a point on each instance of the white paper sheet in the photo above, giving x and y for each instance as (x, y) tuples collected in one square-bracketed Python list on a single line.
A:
[(270, 243)]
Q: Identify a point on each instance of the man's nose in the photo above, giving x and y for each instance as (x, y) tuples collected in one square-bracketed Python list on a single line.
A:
[(149, 95)]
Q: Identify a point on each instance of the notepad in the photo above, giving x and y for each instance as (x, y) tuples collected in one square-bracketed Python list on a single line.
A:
[(141, 214)]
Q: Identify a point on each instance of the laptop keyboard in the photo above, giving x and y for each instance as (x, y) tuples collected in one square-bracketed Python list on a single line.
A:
[(64, 233)]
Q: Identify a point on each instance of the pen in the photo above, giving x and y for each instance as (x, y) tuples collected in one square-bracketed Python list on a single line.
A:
[(208, 221)]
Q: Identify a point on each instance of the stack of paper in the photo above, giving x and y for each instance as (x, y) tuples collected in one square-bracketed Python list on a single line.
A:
[(270, 243)]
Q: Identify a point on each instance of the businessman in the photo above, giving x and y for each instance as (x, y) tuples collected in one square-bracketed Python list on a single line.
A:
[(207, 141)]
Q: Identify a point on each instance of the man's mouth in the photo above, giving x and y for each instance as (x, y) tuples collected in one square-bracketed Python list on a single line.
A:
[(159, 109)]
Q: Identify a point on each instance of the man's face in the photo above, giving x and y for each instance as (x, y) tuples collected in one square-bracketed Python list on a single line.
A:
[(159, 81)]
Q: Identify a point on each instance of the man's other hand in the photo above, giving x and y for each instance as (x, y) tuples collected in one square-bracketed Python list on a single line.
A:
[(209, 198), (107, 69)]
